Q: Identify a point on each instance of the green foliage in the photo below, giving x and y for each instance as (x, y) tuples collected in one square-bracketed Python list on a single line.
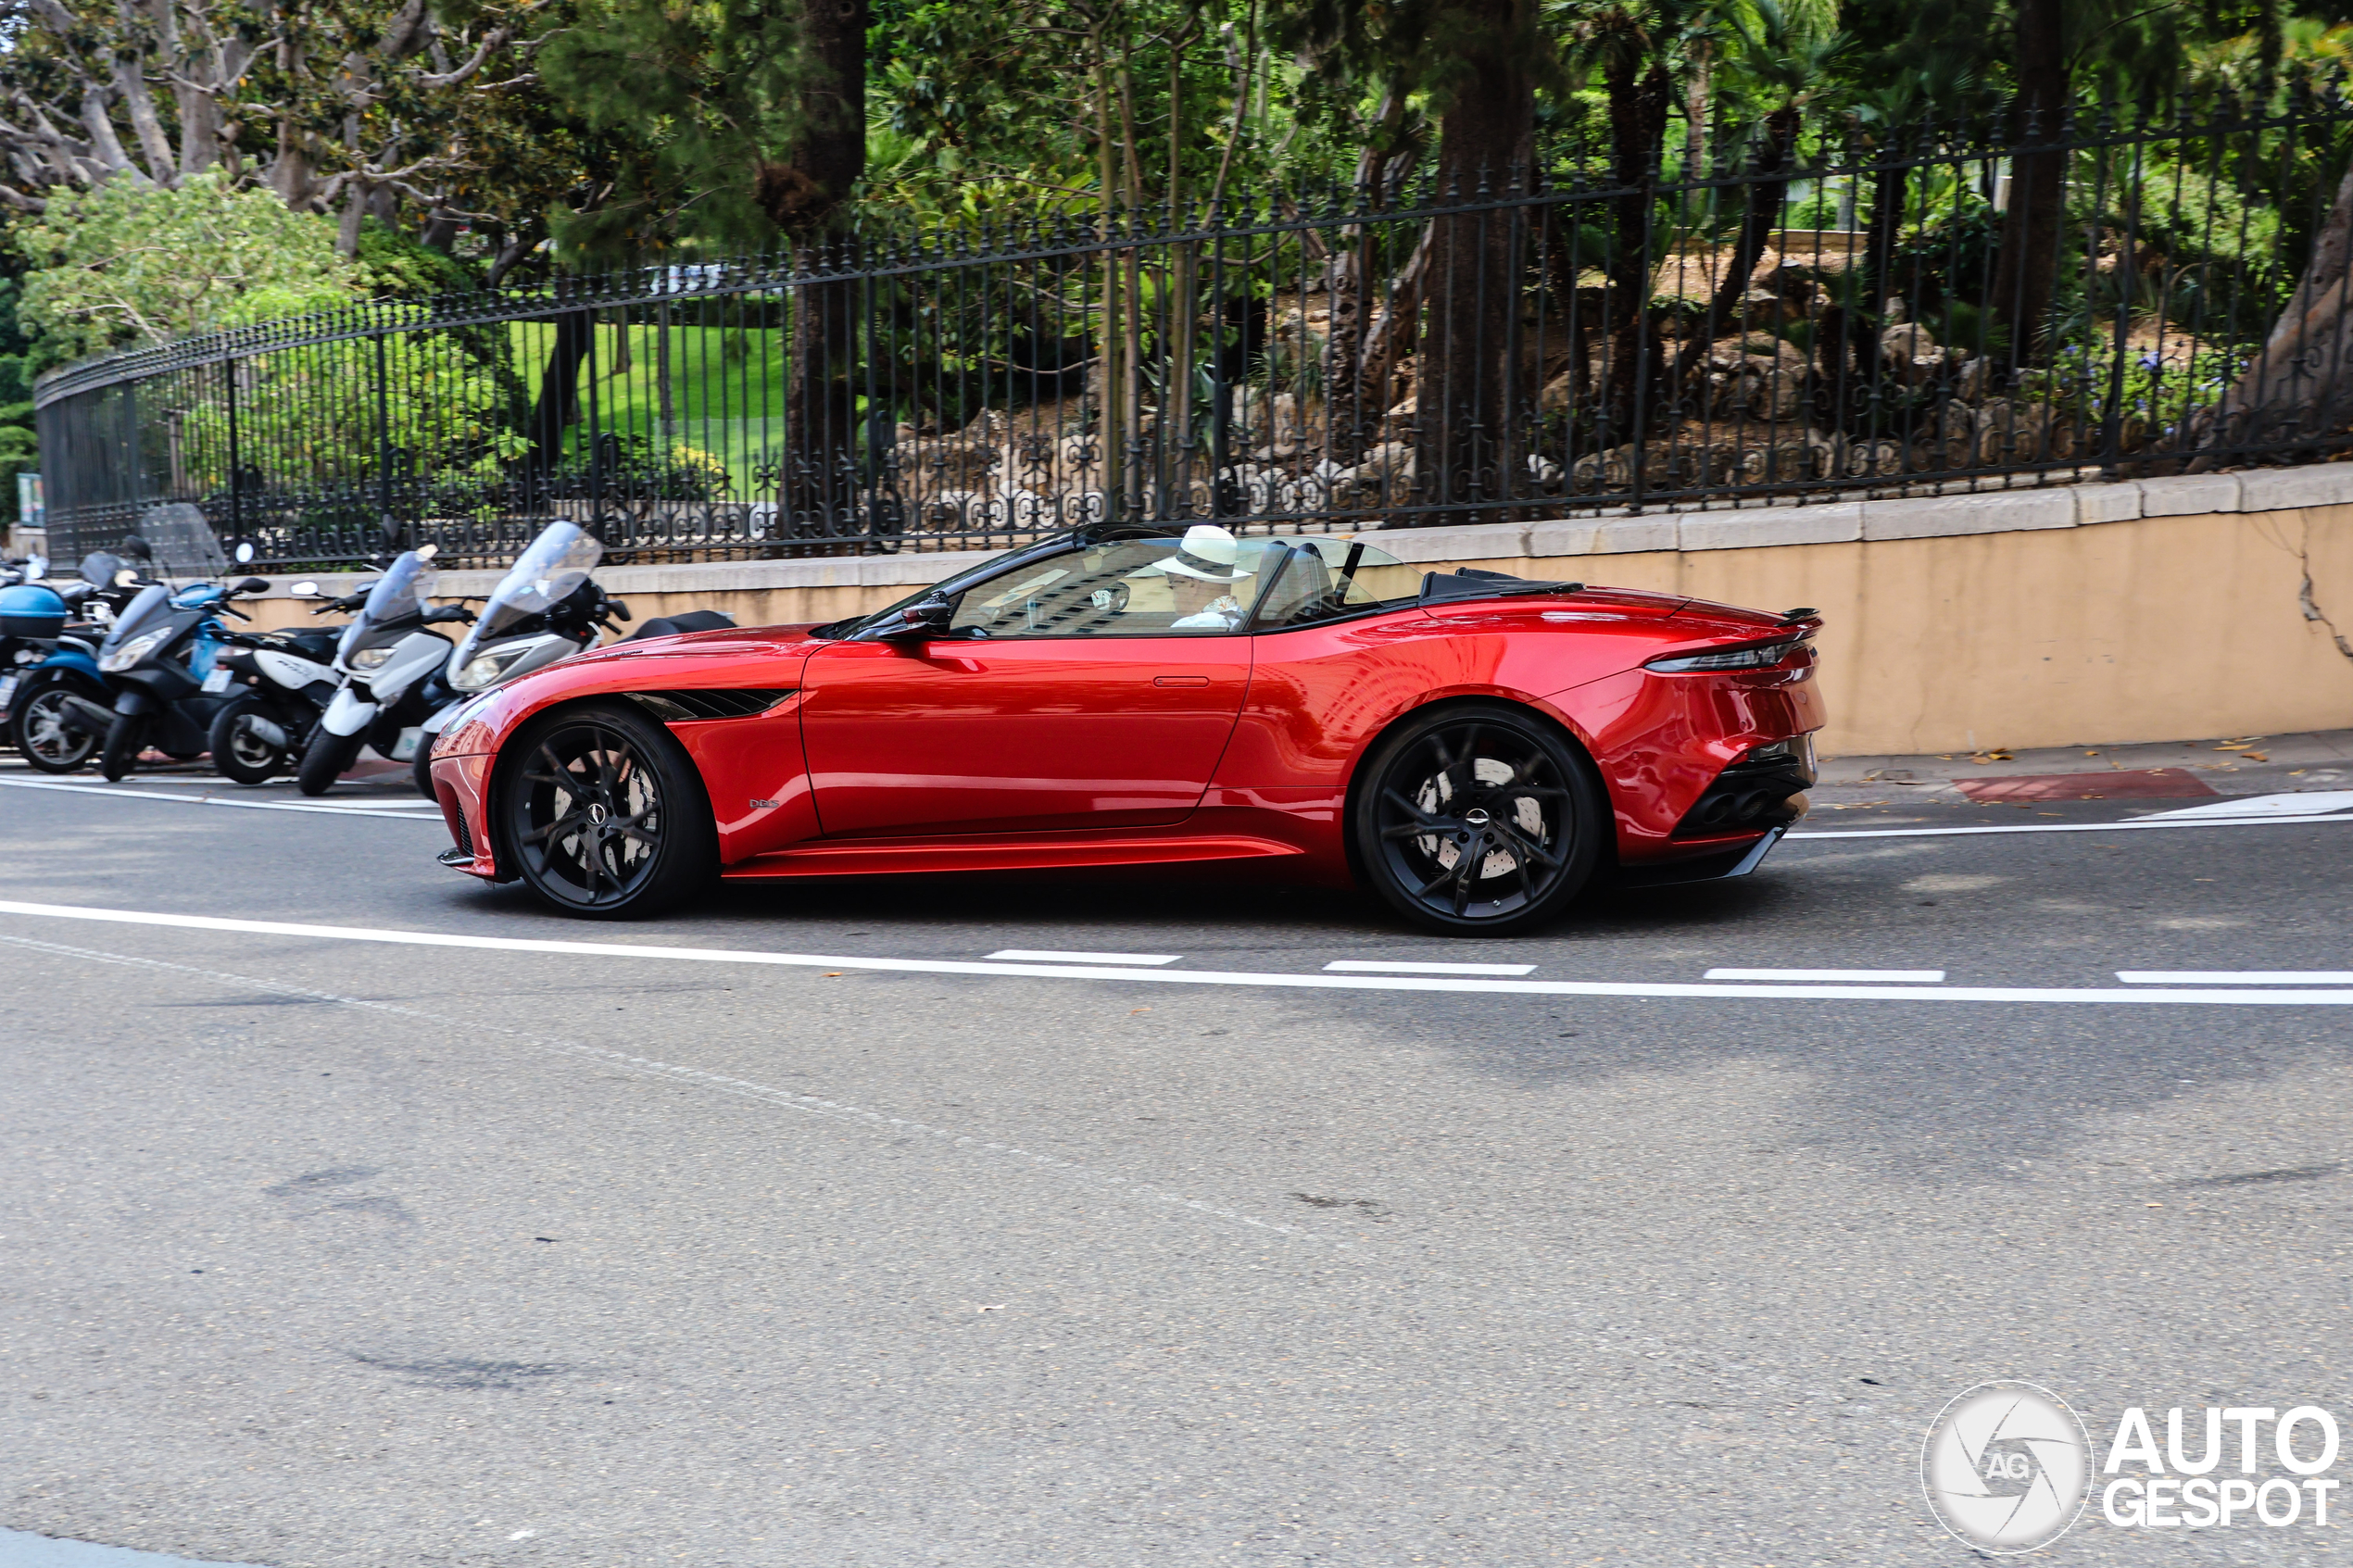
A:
[(134, 262), (393, 264)]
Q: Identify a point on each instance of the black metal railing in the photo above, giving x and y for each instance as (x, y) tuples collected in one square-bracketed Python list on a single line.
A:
[(1910, 311)]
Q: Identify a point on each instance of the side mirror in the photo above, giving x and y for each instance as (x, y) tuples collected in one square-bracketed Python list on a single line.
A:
[(306, 589), (245, 551), (36, 568), (252, 585), (925, 618), (440, 613), (136, 547), (426, 552)]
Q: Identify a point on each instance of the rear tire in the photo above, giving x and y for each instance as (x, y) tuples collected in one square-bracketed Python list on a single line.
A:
[(41, 738), (1477, 818), (125, 740), (326, 758), (422, 769), (604, 815), (238, 754)]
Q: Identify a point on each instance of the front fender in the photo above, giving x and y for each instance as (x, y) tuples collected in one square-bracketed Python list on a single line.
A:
[(348, 713)]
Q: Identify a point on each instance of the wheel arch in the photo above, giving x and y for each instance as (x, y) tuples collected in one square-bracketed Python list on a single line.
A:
[(1544, 712), (496, 781)]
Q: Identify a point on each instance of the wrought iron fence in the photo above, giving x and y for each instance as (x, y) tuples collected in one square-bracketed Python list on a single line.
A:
[(1889, 311)]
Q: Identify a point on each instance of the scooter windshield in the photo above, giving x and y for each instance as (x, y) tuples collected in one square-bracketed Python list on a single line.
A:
[(183, 542), (550, 571), (400, 592)]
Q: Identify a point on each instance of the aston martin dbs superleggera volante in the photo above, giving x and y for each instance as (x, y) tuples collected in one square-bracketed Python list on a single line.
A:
[(1474, 748)]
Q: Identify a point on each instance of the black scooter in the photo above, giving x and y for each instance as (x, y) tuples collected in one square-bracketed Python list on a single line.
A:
[(160, 661)]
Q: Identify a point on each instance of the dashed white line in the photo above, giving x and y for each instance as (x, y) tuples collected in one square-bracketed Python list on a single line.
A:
[(1030, 955), (2235, 976), (1371, 966), (1866, 976), (2138, 995)]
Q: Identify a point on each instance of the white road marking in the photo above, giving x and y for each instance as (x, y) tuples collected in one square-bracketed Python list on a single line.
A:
[(1039, 956), (1367, 966), (2307, 803), (350, 808), (2235, 976), (2148, 824), (1911, 976), (792, 1099), (1186, 977)]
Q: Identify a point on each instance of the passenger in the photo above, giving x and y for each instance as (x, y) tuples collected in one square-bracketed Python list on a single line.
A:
[(1201, 575)]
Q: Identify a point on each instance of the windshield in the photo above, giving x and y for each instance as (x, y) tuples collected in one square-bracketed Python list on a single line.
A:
[(183, 542), (550, 572), (398, 594), (152, 600)]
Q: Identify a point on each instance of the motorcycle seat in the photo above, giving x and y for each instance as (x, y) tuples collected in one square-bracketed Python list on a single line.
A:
[(676, 625)]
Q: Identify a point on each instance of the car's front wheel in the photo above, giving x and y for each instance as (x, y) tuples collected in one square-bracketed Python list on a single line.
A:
[(1477, 818), (603, 814)]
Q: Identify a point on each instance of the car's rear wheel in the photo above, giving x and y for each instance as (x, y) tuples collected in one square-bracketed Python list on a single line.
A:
[(603, 814), (1476, 819)]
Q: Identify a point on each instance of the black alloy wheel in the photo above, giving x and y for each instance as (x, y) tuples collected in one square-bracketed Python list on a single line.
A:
[(42, 737), (1477, 818), (240, 752), (604, 815)]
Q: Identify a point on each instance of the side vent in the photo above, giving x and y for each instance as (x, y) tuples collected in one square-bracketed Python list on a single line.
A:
[(732, 702)]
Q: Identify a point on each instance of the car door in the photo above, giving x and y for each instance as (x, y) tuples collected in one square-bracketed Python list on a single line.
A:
[(1062, 697)]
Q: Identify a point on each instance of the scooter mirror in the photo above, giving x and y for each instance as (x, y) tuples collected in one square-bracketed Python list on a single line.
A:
[(36, 568), (136, 547), (426, 552), (306, 589), (252, 585), (245, 551)]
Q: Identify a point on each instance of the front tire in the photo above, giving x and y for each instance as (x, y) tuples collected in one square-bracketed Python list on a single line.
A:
[(1477, 818), (326, 758), (126, 739), (239, 754), (43, 739), (603, 814)]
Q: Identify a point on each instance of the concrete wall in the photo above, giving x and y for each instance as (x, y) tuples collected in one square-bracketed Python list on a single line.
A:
[(2084, 614)]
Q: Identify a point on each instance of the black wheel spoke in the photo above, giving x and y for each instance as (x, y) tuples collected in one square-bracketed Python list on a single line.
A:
[(1429, 822), (1525, 847)]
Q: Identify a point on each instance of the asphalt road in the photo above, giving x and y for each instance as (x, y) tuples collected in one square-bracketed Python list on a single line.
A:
[(320, 1251)]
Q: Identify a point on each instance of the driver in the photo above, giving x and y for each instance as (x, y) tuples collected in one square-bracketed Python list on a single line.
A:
[(1201, 575)]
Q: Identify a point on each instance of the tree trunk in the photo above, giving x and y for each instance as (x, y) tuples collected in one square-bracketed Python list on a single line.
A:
[(2300, 387), (2024, 276), (1637, 107), (1764, 196), (803, 195), (559, 403), (1467, 407)]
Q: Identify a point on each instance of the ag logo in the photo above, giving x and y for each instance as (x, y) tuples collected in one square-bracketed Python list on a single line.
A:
[(2004, 1467)]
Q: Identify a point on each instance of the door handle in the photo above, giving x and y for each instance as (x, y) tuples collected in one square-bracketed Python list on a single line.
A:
[(1180, 680)]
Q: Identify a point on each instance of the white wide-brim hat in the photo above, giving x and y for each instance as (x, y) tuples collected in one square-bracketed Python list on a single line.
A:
[(1206, 552)]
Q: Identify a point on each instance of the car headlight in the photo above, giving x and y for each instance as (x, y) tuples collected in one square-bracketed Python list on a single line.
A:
[(371, 659), (117, 661), (485, 668), (1762, 656)]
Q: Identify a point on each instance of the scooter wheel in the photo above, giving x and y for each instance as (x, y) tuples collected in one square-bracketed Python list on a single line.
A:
[(326, 758), (421, 769), (43, 739), (239, 754), (125, 741)]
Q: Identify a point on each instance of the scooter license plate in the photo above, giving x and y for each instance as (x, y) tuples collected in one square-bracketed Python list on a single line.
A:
[(217, 682)]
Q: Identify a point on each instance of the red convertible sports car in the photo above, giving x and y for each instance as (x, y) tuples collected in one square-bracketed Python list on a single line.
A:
[(1475, 748)]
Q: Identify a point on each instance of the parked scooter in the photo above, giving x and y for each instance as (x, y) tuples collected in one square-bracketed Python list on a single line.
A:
[(61, 707), (388, 662), (159, 658), (278, 684), (544, 609)]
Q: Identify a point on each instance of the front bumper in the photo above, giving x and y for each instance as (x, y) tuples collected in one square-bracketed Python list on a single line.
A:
[(461, 787)]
